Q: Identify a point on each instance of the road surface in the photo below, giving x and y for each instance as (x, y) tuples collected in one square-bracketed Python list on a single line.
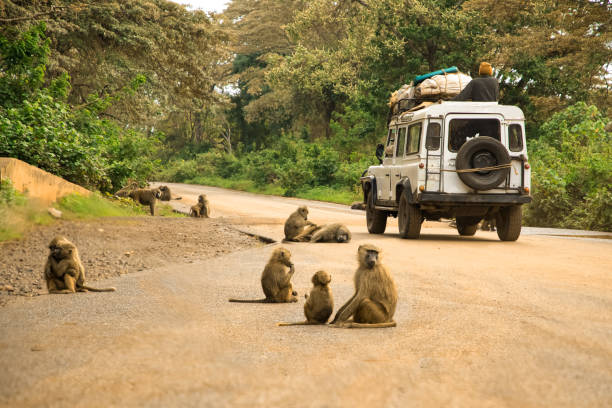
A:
[(480, 323)]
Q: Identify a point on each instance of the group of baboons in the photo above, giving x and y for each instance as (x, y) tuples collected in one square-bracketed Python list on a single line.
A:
[(149, 196), (372, 305), (375, 298)]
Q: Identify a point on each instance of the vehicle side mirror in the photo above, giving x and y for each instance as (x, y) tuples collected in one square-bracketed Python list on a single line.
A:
[(380, 150)]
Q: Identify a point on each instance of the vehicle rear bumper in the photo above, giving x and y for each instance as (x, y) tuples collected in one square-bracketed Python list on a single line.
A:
[(472, 199)]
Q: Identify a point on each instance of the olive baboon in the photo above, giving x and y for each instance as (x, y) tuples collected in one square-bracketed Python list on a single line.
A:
[(165, 193), (375, 298), (64, 272), (129, 187), (146, 197), (297, 226), (332, 233), (276, 279), (358, 205), (320, 304), (201, 209)]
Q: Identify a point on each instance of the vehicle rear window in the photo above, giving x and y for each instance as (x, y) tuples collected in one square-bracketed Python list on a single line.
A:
[(462, 129), (515, 138), (414, 138), (432, 141), (401, 142)]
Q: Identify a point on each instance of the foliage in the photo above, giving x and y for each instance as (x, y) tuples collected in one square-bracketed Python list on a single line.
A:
[(39, 127), (572, 171)]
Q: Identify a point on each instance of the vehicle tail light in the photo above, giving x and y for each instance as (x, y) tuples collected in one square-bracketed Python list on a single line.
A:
[(421, 188), (526, 189), (421, 165), (527, 166)]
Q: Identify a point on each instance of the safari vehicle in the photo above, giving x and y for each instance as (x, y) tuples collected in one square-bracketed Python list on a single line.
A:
[(462, 160)]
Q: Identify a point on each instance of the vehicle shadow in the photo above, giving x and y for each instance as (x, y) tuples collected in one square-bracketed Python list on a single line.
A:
[(428, 237)]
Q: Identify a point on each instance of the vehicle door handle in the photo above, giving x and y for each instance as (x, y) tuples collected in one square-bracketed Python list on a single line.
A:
[(387, 175), (398, 175)]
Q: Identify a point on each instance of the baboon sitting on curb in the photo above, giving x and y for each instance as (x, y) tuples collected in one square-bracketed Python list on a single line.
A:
[(64, 271), (276, 279), (331, 233), (146, 197), (201, 209), (320, 304), (375, 298), (297, 226)]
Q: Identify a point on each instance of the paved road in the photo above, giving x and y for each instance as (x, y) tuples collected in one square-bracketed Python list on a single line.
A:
[(480, 323)]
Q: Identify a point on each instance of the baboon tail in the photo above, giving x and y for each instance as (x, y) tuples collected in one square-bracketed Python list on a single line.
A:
[(250, 300), (353, 325), (294, 323), (89, 288), (177, 198)]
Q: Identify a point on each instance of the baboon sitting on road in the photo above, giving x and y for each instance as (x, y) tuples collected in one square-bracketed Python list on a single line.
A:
[(320, 304), (201, 209), (146, 197), (297, 226), (64, 271), (331, 233), (375, 298), (276, 279)]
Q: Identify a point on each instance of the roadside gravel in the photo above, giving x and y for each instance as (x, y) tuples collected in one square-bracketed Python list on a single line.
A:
[(111, 247)]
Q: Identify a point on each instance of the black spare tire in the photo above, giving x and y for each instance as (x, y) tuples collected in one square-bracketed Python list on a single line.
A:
[(482, 151)]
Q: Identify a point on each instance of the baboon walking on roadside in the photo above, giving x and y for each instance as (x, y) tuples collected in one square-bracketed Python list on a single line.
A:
[(201, 209), (320, 304), (297, 226), (375, 298), (64, 271), (276, 279), (146, 197)]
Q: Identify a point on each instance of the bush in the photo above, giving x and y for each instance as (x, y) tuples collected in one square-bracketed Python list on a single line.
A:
[(572, 171)]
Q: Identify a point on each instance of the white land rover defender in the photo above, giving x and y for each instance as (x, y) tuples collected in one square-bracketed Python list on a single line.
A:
[(462, 160)]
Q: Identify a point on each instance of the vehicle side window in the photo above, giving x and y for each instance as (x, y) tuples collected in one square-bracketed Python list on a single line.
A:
[(401, 142), (432, 141), (390, 143), (414, 138), (515, 138)]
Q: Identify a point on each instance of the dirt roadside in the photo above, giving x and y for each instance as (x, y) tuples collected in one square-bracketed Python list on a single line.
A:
[(111, 247)]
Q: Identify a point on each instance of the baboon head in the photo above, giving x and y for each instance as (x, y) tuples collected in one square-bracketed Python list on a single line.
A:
[(61, 248), (368, 255), (303, 210), (282, 255), (343, 235), (202, 198), (321, 278)]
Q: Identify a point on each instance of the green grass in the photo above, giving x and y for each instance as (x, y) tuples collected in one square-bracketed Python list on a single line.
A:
[(76, 206), (321, 193)]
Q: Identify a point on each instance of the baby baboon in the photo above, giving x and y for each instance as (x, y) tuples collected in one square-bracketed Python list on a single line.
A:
[(276, 279), (297, 226), (129, 187), (64, 272), (201, 209), (358, 205), (320, 304), (375, 298), (332, 233), (146, 197)]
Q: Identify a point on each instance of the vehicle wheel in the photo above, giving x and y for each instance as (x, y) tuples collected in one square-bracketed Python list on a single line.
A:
[(509, 223), (409, 219), (376, 219), (467, 226), (482, 151)]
